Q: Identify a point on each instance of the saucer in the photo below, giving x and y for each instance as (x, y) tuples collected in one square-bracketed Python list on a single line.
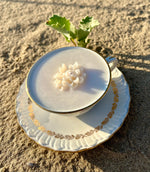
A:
[(63, 133)]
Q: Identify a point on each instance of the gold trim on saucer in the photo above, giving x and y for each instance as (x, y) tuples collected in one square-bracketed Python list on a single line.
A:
[(78, 136)]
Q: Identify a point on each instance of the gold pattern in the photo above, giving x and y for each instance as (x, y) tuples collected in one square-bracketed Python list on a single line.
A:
[(78, 136), (114, 106), (31, 115), (42, 128), (36, 122), (105, 121), (110, 114)]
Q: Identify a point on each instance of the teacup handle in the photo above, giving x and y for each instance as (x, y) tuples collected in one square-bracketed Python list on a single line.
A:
[(112, 61)]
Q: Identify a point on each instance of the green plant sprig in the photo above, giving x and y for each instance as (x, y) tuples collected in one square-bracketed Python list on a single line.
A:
[(78, 36)]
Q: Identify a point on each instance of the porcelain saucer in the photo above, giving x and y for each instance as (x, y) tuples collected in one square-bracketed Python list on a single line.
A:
[(62, 133)]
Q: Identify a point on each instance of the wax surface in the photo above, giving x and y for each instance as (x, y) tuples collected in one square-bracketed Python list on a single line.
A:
[(40, 82)]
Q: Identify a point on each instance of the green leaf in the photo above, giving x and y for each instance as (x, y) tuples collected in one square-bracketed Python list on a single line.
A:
[(82, 43), (81, 34), (62, 25), (81, 37), (88, 24)]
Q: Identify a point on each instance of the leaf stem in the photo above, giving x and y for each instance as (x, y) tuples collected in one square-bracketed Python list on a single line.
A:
[(72, 40)]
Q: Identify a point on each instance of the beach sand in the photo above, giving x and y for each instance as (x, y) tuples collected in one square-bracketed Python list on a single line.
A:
[(124, 32)]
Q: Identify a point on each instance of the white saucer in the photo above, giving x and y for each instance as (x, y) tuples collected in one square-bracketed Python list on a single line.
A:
[(62, 133)]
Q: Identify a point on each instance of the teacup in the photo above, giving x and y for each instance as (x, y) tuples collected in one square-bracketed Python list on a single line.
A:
[(70, 80)]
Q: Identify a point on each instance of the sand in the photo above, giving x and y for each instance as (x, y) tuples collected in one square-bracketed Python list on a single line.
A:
[(124, 32)]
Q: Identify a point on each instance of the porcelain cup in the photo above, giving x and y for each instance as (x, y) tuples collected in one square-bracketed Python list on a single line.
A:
[(38, 87)]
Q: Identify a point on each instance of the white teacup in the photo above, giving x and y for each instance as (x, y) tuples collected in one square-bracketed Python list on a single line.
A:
[(89, 82)]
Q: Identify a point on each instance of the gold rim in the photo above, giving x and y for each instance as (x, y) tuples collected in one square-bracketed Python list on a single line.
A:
[(89, 147), (78, 136), (86, 149), (74, 111)]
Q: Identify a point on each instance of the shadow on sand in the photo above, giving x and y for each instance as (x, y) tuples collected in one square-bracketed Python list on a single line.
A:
[(134, 133)]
